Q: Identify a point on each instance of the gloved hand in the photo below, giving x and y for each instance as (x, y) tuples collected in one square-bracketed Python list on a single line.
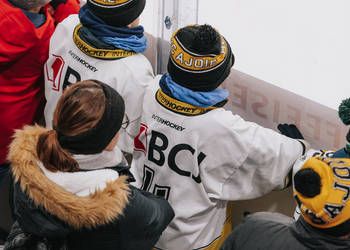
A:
[(290, 130)]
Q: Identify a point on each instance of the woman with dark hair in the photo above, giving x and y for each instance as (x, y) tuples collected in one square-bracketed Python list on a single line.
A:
[(71, 183)]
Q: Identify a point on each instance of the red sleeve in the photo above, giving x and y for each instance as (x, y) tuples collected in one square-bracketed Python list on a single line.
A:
[(63, 10), (16, 39)]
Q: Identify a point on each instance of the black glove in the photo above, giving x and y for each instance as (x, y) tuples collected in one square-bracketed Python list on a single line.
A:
[(290, 130)]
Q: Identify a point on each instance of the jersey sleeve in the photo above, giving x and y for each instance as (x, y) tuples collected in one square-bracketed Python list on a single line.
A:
[(311, 153), (254, 161)]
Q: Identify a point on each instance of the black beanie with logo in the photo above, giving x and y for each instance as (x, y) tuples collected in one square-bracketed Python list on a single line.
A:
[(118, 13), (200, 58)]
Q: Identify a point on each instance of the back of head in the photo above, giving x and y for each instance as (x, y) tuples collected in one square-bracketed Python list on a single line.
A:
[(29, 4), (80, 108), (200, 58), (117, 13), (87, 117), (322, 191)]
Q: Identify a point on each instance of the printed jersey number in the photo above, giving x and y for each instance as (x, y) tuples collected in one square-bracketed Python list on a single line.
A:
[(158, 190)]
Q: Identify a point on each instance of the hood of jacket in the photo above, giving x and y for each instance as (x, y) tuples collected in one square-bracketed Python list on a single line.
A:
[(99, 208)]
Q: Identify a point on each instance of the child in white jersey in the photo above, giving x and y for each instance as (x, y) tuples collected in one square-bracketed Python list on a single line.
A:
[(195, 153), (103, 42)]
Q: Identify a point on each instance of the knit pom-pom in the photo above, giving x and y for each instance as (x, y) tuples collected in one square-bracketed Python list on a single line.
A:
[(344, 111), (206, 38), (307, 182)]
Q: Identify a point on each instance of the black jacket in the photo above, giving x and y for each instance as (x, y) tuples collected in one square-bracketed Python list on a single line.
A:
[(117, 217), (274, 231)]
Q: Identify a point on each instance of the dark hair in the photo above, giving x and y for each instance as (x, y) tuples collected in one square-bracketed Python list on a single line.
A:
[(79, 109)]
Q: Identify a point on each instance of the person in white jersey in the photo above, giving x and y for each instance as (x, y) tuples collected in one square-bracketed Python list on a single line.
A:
[(103, 42), (195, 153)]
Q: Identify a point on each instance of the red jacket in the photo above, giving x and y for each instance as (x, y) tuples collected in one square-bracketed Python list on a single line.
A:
[(23, 53)]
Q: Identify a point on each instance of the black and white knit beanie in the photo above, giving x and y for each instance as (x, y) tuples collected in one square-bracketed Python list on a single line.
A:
[(200, 58), (117, 13)]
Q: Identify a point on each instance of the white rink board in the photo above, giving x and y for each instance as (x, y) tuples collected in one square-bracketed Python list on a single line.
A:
[(268, 105)]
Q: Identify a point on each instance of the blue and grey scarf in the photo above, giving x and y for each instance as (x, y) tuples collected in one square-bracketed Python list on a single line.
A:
[(130, 39), (196, 98)]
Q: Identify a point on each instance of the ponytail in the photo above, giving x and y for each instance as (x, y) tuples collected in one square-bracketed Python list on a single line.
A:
[(52, 155), (78, 110)]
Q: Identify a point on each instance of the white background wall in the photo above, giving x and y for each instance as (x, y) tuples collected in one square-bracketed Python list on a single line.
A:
[(299, 45)]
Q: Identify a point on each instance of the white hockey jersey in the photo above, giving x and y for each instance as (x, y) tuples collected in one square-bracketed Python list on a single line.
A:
[(68, 64), (199, 162)]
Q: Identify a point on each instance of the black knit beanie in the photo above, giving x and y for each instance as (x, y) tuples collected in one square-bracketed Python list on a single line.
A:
[(118, 13), (200, 58)]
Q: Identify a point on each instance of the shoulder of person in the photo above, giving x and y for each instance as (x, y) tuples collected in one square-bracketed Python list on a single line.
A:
[(139, 65), (19, 29)]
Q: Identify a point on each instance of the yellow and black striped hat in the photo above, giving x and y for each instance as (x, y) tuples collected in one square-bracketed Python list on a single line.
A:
[(322, 191), (117, 13), (200, 58)]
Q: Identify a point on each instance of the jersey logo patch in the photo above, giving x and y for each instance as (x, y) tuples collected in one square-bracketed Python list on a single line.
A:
[(54, 73), (140, 141)]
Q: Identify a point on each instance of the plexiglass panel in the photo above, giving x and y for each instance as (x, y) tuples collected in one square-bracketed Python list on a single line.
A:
[(161, 18), (150, 18), (272, 49), (301, 46)]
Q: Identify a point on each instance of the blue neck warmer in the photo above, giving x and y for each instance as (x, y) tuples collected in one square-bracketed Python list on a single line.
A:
[(196, 98), (130, 39), (37, 19)]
